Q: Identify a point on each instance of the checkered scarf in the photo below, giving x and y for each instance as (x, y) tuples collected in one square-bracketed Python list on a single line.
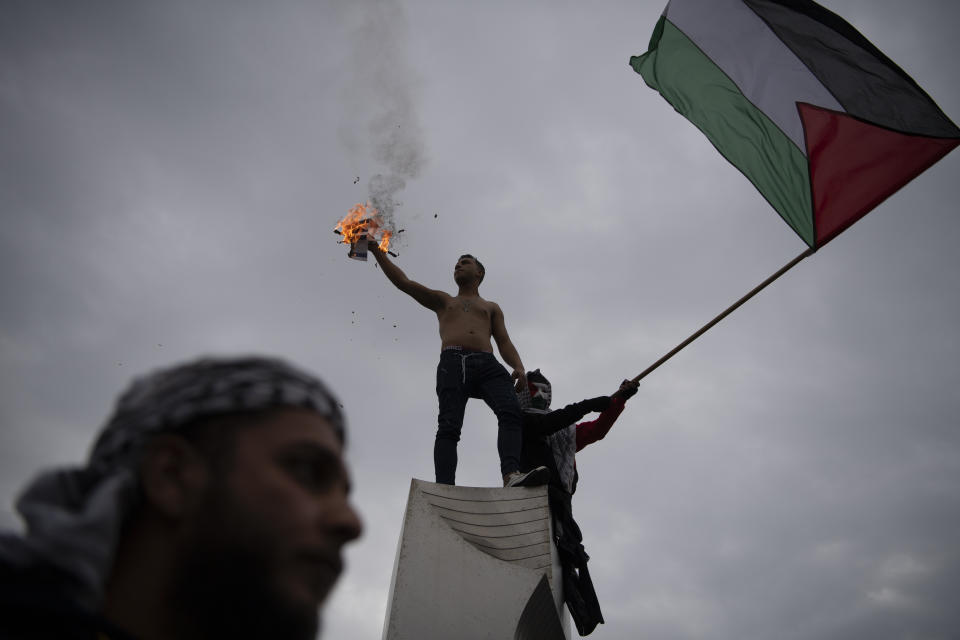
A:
[(73, 516)]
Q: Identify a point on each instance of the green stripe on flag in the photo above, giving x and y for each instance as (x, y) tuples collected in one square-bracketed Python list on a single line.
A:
[(702, 93)]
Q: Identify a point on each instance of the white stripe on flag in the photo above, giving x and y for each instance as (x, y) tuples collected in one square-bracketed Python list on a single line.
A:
[(767, 73)]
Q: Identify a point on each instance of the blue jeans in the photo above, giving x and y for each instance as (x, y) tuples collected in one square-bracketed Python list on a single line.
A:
[(464, 374)]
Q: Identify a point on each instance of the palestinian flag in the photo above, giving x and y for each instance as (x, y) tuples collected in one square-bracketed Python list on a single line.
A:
[(819, 120)]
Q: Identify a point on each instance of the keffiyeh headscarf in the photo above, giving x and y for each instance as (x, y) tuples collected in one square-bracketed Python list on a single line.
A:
[(73, 516)]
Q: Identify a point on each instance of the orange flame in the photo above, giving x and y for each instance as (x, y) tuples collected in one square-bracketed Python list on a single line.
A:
[(385, 240), (361, 219)]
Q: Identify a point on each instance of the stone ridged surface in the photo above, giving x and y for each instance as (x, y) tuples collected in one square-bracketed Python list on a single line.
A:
[(507, 527)]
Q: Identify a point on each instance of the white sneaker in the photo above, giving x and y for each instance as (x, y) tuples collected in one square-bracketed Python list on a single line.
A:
[(533, 478)]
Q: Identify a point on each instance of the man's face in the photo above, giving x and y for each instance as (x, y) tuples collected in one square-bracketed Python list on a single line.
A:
[(268, 536), (466, 270)]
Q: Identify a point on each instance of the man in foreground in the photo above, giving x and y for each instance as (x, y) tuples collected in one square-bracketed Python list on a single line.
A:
[(214, 505), (552, 438), (468, 368)]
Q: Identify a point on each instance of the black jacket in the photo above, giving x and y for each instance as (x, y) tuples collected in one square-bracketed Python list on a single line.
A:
[(34, 606), (538, 426)]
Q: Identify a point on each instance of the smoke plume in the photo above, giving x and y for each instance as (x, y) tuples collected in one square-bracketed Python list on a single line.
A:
[(381, 110)]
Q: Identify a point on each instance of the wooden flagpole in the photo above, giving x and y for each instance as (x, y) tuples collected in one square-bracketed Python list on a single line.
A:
[(727, 312)]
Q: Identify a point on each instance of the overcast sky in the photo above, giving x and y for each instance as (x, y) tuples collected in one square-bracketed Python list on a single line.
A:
[(170, 174)]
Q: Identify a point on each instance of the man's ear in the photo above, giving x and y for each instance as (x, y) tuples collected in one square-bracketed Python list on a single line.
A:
[(173, 475)]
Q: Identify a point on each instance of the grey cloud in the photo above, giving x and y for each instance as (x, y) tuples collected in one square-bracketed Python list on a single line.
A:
[(170, 173)]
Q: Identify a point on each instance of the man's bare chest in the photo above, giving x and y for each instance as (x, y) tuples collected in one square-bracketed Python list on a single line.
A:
[(467, 309)]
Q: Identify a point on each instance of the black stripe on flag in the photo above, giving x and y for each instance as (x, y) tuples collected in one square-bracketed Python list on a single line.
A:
[(867, 83)]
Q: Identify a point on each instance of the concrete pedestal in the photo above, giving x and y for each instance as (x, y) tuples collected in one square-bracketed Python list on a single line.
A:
[(475, 563)]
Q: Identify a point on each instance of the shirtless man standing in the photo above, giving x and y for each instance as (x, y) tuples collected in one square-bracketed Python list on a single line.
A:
[(468, 368)]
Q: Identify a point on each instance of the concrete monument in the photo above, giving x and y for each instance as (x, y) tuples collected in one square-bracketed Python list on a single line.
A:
[(476, 563)]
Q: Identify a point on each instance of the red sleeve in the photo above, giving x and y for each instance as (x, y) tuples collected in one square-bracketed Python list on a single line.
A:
[(590, 432)]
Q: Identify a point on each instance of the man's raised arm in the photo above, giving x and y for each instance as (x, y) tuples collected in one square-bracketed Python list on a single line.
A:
[(590, 432), (430, 298), (546, 424)]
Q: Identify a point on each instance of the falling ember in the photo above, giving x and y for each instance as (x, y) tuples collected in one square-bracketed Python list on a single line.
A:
[(363, 223)]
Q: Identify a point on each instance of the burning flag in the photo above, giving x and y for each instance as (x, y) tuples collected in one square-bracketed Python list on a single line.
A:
[(362, 224), (814, 115)]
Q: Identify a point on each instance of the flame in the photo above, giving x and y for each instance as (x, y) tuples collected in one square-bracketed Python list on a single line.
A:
[(363, 218), (385, 240)]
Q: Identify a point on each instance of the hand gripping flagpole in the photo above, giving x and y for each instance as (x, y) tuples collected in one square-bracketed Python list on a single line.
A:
[(725, 313)]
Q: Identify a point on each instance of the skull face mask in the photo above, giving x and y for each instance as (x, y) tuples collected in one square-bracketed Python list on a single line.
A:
[(540, 390)]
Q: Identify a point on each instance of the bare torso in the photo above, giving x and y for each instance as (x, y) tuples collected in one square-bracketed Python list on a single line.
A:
[(467, 321)]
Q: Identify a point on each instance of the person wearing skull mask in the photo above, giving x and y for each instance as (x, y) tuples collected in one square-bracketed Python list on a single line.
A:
[(551, 439)]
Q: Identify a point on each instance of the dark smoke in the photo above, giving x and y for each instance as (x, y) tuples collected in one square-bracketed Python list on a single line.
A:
[(382, 191)]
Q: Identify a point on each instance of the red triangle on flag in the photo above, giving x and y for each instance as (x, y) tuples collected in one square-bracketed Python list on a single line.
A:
[(855, 165)]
